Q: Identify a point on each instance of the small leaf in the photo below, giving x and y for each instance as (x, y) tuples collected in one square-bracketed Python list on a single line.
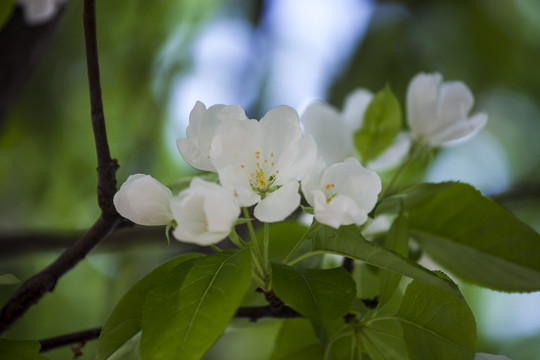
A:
[(381, 125), (397, 240), (296, 340), (124, 323), (8, 279), (182, 319), (20, 349), (348, 241), (321, 295), (474, 237)]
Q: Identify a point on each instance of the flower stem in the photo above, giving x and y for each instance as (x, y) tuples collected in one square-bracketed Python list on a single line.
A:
[(314, 225), (217, 249), (237, 240), (266, 241)]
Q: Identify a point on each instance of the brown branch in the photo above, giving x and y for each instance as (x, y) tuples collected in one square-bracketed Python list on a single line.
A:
[(79, 337), (106, 166), (253, 313), (34, 288)]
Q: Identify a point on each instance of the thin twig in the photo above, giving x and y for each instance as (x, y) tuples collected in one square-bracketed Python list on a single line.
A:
[(68, 339), (253, 313), (34, 288)]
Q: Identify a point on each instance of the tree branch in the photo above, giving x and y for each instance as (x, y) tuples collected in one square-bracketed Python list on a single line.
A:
[(68, 339), (34, 288), (253, 313), (106, 166)]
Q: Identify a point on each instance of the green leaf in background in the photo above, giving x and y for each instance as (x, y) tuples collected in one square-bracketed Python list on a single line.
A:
[(435, 324), (19, 349), (397, 240), (475, 238), (296, 340), (382, 123), (430, 324), (121, 332), (6, 9), (8, 279), (383, 340), (183, 318), (348, 241), (321, 295)]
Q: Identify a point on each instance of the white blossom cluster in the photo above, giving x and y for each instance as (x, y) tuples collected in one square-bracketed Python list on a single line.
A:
[(267, 163)]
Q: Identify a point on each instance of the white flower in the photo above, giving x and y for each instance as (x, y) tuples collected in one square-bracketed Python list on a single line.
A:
[(202, 127), (144, 200), (263, 161), (342, 194), (438, 112), (40, 11), (483, 356), (333, 131), (205, 213)]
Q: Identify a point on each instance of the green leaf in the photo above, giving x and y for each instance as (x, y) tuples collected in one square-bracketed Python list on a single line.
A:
[(434, 325), (122, 329), (382, 123), (182, 319), (475, 238), (321, 295), (348, 241), (296, 340), (6, 9), (20, 349), (8, 279), (383, 340), (397, 240)]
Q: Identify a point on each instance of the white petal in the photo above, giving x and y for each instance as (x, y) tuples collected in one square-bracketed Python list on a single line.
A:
[(194, 156), (422, 98), (341, 210), (278, 204), (297, 160), (460, 131), (455, 102), (205, 213), (281, 127), (355, 107), (144, 200), (312, 181), (333, 137), (394, 154)]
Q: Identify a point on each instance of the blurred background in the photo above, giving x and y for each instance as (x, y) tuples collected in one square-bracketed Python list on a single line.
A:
[(157, 58)]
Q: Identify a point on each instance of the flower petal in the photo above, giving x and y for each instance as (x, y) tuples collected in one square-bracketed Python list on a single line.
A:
[(144, 200), (341, 210), (333, 137), (422, 97), (278, 204), (355, 107), (460, 131)]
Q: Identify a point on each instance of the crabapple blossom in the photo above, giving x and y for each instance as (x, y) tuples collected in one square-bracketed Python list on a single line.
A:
[(483, 356), (144, 200), (437, 112), (203, 123), (263, 161), (342, 194), (205, 213)]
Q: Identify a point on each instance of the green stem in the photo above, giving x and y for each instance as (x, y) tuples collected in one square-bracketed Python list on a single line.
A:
[(252, 235), (215, 248), (266, 241), (418, 148), (237, 240), (314, 225)]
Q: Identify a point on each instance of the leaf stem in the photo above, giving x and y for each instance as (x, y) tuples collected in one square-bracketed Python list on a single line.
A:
[(314, 225)]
